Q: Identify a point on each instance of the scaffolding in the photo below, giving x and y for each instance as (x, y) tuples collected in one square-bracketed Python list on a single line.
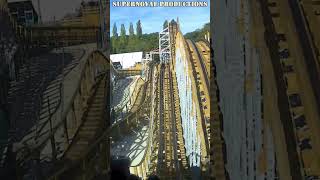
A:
[(165, 45)]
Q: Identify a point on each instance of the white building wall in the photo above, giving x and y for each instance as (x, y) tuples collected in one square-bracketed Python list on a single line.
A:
[(127, 60)]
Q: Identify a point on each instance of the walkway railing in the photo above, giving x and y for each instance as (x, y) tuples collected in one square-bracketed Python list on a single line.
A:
[(64, 130), (142, 168), (95, 156)]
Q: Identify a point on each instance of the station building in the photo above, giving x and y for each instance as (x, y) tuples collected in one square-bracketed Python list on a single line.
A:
[(128, 60), (23, 12)]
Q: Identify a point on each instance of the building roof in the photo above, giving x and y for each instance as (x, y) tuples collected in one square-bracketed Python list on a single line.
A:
[(26, 4), (116, 63), (11, 1), (127, 60), (29, 2), (92, 3)]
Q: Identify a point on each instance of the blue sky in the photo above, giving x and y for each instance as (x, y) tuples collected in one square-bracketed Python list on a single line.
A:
[(152, 18)]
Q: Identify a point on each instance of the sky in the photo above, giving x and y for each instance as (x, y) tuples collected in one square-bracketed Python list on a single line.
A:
[(152, 18), (55, 8)]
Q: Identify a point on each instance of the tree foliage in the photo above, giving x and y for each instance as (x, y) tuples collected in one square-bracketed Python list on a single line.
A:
[(198, 34), (131, 30), (139, 29), (145, 43), (123, 36), (123, 31), (165, 24), (133, 43), (115, 30)]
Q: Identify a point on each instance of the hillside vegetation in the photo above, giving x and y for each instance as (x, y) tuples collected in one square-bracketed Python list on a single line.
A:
[(134, 41), (198, 34)]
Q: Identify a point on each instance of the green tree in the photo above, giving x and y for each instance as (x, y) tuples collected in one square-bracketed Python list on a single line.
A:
[(131, 30), (132, 40), (132, 44), (115, 31), (123, 31), (125, 43), (114, 45), (139, 29), (123, 39), (165, 24), (198, 34)]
